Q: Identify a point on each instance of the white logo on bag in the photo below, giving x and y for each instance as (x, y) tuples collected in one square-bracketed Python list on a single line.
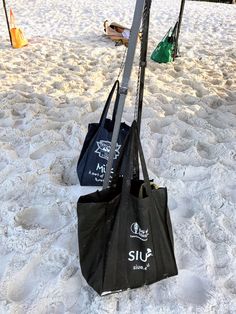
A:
[(104, 148), (137, 232), (139, 255)]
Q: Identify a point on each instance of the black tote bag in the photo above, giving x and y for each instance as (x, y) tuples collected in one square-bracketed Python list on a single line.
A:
[(91, 166), (126, 240)]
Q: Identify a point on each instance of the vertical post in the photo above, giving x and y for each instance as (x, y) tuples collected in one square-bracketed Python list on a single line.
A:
[(124, 85), (8, 26), (178, 29), (143, 58)]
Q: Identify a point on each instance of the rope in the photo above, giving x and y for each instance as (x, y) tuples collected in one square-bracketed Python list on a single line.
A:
[(122, 63), (137, 92)]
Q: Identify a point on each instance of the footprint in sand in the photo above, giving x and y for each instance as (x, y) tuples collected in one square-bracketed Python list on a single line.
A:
[(229, 220), (169, 109), (230, 284), (158, 126), (69, 174), (191, 288), (221, 259), (228, 193), (48, 148), (67, 168), (217, 81), (185, 209), (205, 151), (52, 307), (35, 274), (199, 242), (49, 217), (155, 127), (181, 147), (215, 233), (217, 123), (69, 272), (7, 122)]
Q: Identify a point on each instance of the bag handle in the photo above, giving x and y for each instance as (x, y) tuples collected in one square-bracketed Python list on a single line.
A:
[(133, 164), (129, 155), (168, 34), (124, 153), (116, 87)]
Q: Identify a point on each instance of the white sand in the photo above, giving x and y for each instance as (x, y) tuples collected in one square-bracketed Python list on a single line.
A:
[(52, 89)]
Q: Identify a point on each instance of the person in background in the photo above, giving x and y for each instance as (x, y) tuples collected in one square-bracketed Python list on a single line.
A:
[(124, 32)]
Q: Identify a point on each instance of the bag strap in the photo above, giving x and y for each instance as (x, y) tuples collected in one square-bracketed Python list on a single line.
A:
[(116, 87), (136, 147), (172, 34), (131, 147), (175, 28), (168, 34), (122, 160)]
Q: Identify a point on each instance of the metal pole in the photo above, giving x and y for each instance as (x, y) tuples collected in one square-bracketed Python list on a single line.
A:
[(8, 26), (124, 85), (178, 29)]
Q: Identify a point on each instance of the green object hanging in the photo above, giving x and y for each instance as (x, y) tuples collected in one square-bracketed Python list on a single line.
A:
[(164, 52)]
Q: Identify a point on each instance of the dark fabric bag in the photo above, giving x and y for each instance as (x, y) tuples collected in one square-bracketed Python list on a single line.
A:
[(92, 162), (125, 237)]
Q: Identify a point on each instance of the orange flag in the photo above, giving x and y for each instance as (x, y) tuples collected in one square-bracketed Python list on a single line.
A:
[(18, 39)]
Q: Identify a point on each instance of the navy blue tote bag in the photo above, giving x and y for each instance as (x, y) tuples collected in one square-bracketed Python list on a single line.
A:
[(91, 166), (124, 231)]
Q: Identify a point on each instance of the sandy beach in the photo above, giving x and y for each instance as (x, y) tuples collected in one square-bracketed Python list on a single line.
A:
[(50, 91)]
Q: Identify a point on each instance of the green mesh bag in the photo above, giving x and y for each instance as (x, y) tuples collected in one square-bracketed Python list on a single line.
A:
[(164, 52)]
